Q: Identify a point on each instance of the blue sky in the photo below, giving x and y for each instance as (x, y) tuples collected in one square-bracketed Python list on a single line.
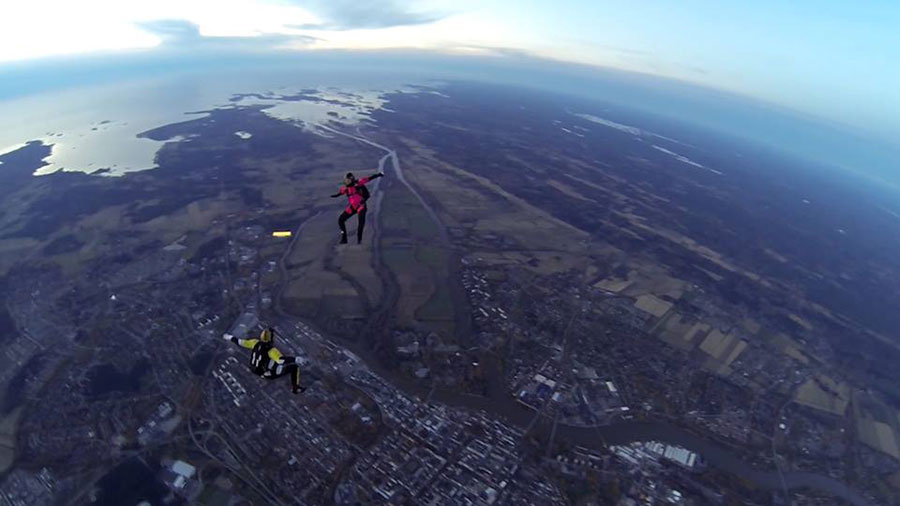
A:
[(831, 59)]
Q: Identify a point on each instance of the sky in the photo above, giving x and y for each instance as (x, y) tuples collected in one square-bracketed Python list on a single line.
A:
[(831, 59)]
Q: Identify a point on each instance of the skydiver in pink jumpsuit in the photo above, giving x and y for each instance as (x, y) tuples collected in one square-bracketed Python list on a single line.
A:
[(357, 194)]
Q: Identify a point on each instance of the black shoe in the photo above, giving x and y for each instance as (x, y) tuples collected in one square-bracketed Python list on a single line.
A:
[(343, 238), (299, 390), (359, 240)]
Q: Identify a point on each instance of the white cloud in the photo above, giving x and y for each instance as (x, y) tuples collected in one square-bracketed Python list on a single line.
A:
[(40, 28), (461, 32), (355, 14), (36, 28)]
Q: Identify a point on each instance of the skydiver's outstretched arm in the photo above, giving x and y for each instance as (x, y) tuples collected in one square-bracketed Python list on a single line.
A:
[(243, 343), (366, 180)]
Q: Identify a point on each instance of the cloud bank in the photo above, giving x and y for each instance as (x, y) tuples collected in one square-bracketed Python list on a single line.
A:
[(359, 14), (183, 34)]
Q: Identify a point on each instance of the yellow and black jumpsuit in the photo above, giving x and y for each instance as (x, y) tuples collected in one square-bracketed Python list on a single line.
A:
[(267, 361)]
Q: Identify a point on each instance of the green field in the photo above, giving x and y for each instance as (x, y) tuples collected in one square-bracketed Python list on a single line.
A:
[(419, 265)]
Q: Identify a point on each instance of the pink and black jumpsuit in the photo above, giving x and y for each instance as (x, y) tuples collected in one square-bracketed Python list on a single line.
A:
[(356, 204)]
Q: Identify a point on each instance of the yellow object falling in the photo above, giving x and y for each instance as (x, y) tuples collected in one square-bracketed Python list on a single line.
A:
[(281, 233)]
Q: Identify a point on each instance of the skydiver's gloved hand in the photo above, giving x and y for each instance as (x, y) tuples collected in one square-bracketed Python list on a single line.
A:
[(336, 195), (301, 361), (228, 337)]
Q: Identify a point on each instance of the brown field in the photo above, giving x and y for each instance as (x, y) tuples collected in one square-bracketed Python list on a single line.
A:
[(789, 347), (824, 394), (652, 305), (539, 262), (465, 198), (440, 305), (356, 262), (878, 435), (651, 280), (312, 244), (877, 424), (645, 278), (415, 280), (723, 349), (309, 281), (680, 333), (568, 190), (614, 285), (693, 246)]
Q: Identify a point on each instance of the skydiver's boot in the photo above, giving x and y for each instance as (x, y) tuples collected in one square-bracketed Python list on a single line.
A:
[(343, 237)]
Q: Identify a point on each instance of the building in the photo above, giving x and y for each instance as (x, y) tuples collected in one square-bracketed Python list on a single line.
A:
[(183, 472)]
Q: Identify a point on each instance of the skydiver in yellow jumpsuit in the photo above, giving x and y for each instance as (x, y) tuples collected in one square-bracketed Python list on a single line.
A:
[(267, 361)]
